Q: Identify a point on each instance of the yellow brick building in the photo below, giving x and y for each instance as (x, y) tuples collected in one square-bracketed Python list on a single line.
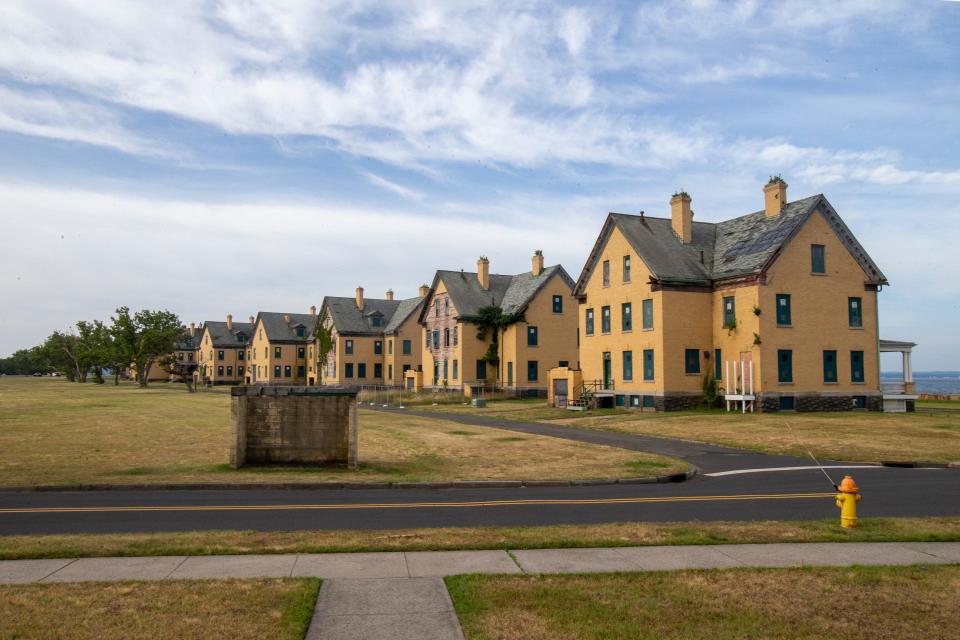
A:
[(545, 337), (223, 351), (786, 292), (280, 348), (374, 340)]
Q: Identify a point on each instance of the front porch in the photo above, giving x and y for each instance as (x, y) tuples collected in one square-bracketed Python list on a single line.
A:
[(899, 395)]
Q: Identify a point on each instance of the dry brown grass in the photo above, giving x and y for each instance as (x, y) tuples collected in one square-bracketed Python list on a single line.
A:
[(851, 435), (55, 432), (555, 536), (238, 609), (858, 602)]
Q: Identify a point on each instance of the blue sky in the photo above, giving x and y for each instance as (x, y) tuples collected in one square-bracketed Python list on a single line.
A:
[(230, 157)]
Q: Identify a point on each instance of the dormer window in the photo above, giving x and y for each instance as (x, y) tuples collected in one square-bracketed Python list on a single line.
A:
[(241, 337), (300, 331), (375, 321)]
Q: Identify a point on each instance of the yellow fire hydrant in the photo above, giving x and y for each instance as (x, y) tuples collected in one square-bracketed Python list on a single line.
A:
[(847, 500)]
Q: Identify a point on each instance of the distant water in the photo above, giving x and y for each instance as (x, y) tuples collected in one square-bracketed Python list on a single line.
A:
[(942, 382)]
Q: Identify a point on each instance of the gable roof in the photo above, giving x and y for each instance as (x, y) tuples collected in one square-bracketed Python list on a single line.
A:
[(351, 321), (511, 293), (220, 336), (191, 342), (278, 329), (743, 246)]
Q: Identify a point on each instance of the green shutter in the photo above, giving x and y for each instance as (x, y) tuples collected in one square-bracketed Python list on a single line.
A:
[(717, 364), (692, 361), (785, 365), (856, 366), (855, 311), (829, 366), (628, 365), (626, 316), (783, 309), (818, 262), (729, 312), (648, 314), (648, 364)]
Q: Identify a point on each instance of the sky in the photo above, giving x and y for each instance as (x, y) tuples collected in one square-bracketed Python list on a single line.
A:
[(228, 157)]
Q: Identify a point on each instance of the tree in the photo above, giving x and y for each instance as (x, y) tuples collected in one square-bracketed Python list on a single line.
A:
[(324, 337), (147, 338), (25, 362), (64, 352), (491, 319)]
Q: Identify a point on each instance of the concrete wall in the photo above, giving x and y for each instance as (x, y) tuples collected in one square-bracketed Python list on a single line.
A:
[(274, 424)]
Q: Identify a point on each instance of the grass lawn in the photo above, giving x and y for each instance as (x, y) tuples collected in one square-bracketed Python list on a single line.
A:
[(859, 602), (557, 536), (848, 435), (238, 609), (56, 432)]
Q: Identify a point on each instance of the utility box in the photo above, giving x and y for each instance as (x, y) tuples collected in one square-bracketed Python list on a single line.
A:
[(281, 424), (478, 403)]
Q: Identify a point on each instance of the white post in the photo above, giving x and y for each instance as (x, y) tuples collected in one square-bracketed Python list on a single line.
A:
[(907, 368), (753, 401)]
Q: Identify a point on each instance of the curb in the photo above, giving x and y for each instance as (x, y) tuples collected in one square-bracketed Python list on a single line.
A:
[(320, 486), (918, 464)]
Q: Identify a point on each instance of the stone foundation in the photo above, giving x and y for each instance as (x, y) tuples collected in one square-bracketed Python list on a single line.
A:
[(278, 424), (677, 402), (817, 402)]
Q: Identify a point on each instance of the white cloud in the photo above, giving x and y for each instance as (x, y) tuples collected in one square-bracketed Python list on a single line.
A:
[(398, 189)]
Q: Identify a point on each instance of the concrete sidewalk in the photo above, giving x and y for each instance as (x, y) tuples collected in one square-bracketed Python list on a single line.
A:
[(401, 595), (436, 564)]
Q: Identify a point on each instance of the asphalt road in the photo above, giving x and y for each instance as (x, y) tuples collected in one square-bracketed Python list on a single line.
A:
[(740, 492)]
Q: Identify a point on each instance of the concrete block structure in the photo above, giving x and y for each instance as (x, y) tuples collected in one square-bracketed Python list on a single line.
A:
[(280, 424)]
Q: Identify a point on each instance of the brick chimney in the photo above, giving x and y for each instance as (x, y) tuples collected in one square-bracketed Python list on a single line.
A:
[(682, 216), (250, 319), (537, 263), (360, 298), (424, 290), (193, 329), (389, 294), (483, 272), (774, 196), (286, 318), (229, 322), (313, 309)]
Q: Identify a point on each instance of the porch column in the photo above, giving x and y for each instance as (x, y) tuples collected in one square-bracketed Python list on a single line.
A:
[(907, 369)]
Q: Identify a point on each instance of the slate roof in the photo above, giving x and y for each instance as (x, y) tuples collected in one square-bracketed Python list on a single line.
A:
[(278, 329), (743, 246), (349, 320), (222, 337), (191, 342), (511, 293)]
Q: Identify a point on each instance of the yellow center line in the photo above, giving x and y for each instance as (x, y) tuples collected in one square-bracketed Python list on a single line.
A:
[(416, 505)]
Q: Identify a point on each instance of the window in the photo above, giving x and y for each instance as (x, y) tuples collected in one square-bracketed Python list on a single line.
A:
[(390, 347), (456, 369), (558, 304), (481, 370), (620, 400), (436, 372), (626, 316), (855, 309), (405, 368), (605, 319), (230, 371), (264, 352), (626, 268), (378, 347), (784, 365), (509, 374), (446, 306), (277, 352), (856, 366), (407, 347), (436, 307), (276, 371), (531, 336), (563, 363), (531, 370), (717, 364), (287, 371), (691, 360), (301, 352), (446, 337), (783, 309), (241, 354), (648, 402), (240, 371), (348, 347), (375, 320), (456, 334), (300, 331), (627, 366), (220, 355), (219, 371), (436, 338), (829, 366), (180, 356), (348, 370), (606, 273), (818, 261), (859, 402), (377, 370), (190, 357), (301, 372), (647, 310), (787, 403), (589, 322), (729, 312), (648, 365), (635, 401), (361, 369)]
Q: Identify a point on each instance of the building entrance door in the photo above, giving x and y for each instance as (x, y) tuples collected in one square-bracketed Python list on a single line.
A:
[(607, 371), (560, 393)]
